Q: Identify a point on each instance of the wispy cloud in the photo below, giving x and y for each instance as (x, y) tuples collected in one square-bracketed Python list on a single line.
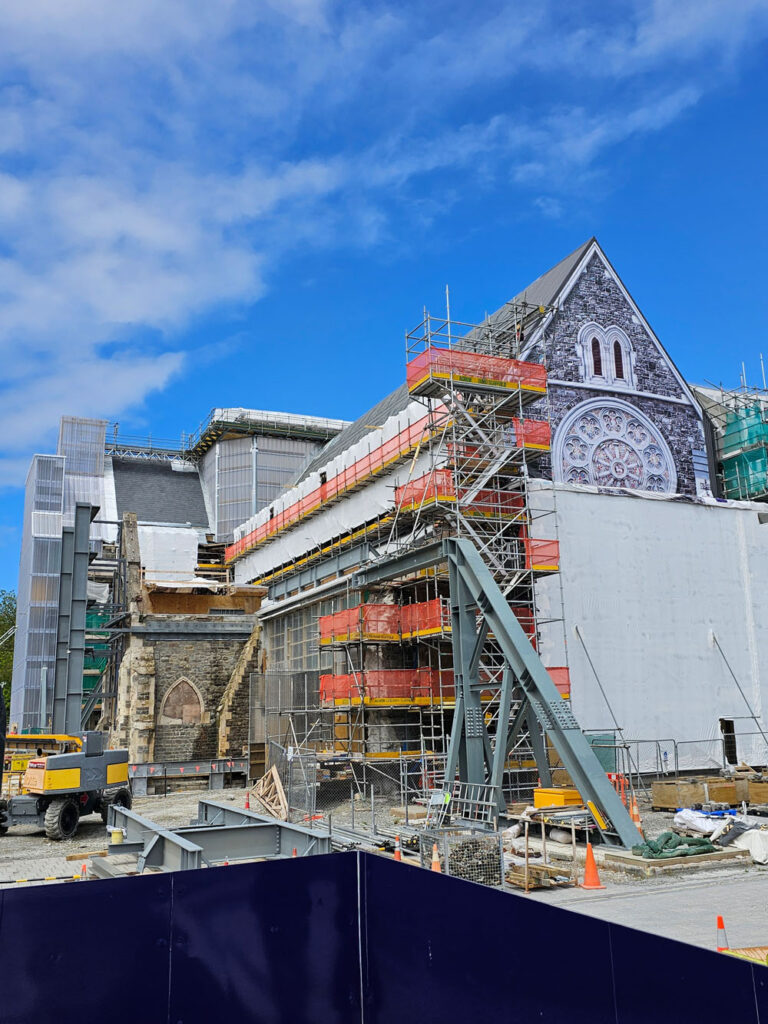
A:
[(158, 161)]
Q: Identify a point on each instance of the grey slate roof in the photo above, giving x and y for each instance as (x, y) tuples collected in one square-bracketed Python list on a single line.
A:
[(375, 417), (157, 493), (545, 289), (541, 292)]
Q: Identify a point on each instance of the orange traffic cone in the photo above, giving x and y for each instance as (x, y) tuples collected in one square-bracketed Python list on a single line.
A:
[(398, 850), (83, 873), (591, 877), (634, 814), (722, 938), (294, 854), (247, 800), (435, 865)]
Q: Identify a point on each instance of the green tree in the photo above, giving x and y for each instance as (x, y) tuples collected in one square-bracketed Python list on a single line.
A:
[(7, 619)]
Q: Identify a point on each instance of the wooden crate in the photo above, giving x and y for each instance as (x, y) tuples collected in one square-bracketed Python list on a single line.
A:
[(757, 792), (673, 793)]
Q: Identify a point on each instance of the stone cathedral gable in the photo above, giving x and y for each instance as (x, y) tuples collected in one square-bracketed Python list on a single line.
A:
[(622, 417)]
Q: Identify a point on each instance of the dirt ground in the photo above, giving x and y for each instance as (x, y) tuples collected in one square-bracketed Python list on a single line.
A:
[(25, 853)]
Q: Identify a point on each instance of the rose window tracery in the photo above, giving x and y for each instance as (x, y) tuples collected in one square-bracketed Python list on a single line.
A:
[(612, 444)]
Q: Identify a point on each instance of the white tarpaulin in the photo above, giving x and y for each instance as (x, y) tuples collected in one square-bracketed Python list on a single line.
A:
[(168, 552), (645, 586)]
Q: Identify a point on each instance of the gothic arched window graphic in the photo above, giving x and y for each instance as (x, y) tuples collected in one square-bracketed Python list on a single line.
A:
[(618, 361), (182, 705), (613, 444), (597, 358)]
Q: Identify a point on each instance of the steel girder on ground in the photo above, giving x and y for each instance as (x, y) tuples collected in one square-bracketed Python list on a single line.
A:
[(222, 833)]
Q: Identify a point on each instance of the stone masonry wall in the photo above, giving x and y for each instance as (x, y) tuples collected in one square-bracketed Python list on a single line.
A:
[(208, 665), (597, 297)]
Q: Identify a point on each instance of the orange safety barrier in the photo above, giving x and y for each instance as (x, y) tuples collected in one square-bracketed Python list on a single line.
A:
[(387, 684), (370, 464), (367, 621), (425, 617), (385, 621), (532, 433), (439, 486), (541, 554), (472, 367), (561, 677)]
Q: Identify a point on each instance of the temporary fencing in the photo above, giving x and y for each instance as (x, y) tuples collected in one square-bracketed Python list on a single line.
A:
[(438, 487), (434, 365), (527, 620), (561, 677), (542, 555), (364, 621), (385, 622), (388, 684)]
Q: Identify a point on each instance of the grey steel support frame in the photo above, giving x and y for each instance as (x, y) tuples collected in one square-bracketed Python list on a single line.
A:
[(222, 833), (70, 636), (473, 590), (472, 752)]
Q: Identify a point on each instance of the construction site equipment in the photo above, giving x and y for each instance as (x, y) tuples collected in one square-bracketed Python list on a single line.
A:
[(669, 845), (478, 607), (556, 796), (85, 778), (163, 776), (221, 834)]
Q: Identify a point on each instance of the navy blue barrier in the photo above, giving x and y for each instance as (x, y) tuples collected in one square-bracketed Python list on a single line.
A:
[(284, 942)]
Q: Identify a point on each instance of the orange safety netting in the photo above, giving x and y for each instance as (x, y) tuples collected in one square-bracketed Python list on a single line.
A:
[(368, 465), (424, 617), (387, 684), (561, 677), (532, 433), (541, 554), (368, 620), (474, 368), (439, 486)]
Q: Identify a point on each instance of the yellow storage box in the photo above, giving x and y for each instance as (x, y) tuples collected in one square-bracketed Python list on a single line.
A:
[(557, 796)]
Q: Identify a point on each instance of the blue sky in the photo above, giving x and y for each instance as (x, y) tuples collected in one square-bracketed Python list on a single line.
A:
[(248, 203)]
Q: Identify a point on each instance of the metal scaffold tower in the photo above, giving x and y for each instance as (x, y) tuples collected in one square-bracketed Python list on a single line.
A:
[(488, 425)]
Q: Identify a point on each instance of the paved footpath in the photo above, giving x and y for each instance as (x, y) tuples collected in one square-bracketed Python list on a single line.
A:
[(680, 909)]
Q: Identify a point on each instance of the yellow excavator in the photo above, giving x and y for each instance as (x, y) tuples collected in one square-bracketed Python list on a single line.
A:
[(59, 789)]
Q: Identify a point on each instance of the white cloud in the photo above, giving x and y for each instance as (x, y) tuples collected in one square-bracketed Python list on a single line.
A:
[(158, 160)]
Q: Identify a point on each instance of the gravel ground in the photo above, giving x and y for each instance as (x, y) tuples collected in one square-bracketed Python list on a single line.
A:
[(26, 853)]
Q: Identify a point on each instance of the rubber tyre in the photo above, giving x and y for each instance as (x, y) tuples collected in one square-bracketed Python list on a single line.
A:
[(62, 816), (122, 798)]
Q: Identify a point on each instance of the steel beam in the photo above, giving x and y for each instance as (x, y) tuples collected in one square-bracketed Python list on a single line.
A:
[(475, 583)]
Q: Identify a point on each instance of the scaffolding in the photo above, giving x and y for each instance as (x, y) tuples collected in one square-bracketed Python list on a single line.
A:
[(374, 666), (740, 420)]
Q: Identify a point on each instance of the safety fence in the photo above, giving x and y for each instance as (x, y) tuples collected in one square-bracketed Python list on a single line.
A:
[(436, 365), (381, 622), (297, 769), (301, 940), (439, 487), (388, 684), (411, 684)]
